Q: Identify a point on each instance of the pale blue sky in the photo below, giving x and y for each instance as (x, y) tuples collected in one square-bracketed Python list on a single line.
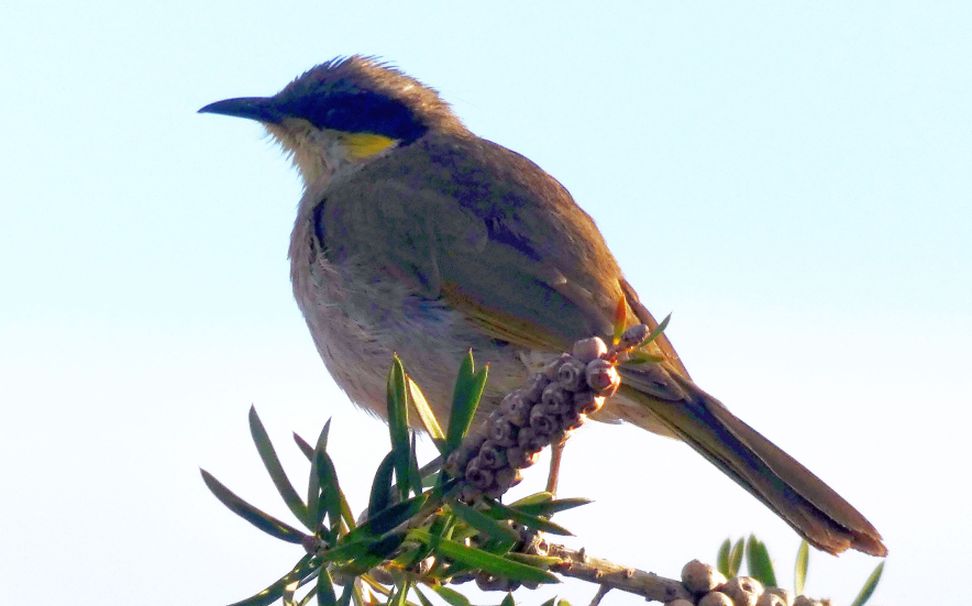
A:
[(793, 180)]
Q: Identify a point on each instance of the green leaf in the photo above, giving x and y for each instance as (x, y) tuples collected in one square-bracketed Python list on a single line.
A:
[(869, 586), (422, 599), (537, 561), (487, 562), (398, 424), (325, 589), (508, 600), (735, 557), (314, 509), (400, 595), (304, 447), (548, 507), (451, 596), (331, 494), (275, 591), (414, 475), (484, 523), (390, 517), (657, 331), (759, 563), (425, 414), (551, 602), (381, 485), (505, 512), (379, 551), (270, 460), (349, 587), (251, 514), (722, 558), (465, 399), (800, 568)]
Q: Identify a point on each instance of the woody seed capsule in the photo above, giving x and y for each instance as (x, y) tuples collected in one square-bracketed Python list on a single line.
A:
[(491, 455), (531, 441), (586, 350), (570, 375), (519, 414), (602, 377), (502, 432), (586, 403), (534, 387), (542, 420), (519, 458), (633, 337), (479, 478), (556, 399), (550, 370)]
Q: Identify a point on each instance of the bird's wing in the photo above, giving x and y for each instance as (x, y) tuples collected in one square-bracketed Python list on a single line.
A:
[(487, 231)]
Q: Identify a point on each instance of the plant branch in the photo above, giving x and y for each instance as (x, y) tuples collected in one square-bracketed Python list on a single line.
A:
[(579, 565)]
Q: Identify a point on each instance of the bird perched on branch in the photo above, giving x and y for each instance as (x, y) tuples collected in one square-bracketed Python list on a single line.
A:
[(416, 236)]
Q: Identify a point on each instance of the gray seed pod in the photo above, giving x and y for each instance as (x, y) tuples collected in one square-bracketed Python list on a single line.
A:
[(744, 591), (571, 420), (505, 479), (543, 421), (463, 577), (519, 414), (701, 578), (571, 375), (602, 377), (784, 594), (550, 370), (715, 598), (519, 458), (586, 403), (487, 582), (508, 402), (502, 432), (531, 441), (802, 600), (456, 463), (633, 337), (479, 478), (534, 388), (586, 350), (556, 399), (492, 455), (770, 599), (679, 602)]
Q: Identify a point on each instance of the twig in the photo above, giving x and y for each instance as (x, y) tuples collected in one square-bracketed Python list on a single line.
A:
[(609, 575), (601, 592)]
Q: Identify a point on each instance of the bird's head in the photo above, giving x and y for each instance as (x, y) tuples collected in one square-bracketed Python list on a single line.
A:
[(343, 114)]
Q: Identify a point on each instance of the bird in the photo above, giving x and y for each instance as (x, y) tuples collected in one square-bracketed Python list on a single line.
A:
[(416, 237)]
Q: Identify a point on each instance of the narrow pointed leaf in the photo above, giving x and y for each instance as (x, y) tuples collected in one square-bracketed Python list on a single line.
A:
[(620, 320), (264, 521), (345, 599), (548, 508), (869, 586), (314, 509), (506, 512), (484, 523), (398, 424), (270, 460), (381, 486), (537, 561), (325, 589), (401, 593), (658, 330), (275, 591), (390, 517), (736, 557), (304, 446), (331, 495), (451, 596), (425, 414), (508, 600), (722, 558), (487, 562), (414, 475), (465, 400), (800, 568), (551, 602), (759, 563)]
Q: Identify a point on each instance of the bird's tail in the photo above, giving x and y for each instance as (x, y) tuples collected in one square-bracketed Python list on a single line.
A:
[(811, 507)]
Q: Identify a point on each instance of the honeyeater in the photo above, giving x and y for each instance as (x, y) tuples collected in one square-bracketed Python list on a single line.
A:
[(415, 236)]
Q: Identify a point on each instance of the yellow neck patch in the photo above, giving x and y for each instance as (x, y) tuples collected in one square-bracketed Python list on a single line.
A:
[(365, 145)]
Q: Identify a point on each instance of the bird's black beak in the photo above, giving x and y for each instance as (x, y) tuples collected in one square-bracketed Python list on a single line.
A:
[(262, 109)]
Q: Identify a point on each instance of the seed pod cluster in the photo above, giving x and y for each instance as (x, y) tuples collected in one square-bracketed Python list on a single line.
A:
[(711, 588), (550, 405), (530, 542)]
